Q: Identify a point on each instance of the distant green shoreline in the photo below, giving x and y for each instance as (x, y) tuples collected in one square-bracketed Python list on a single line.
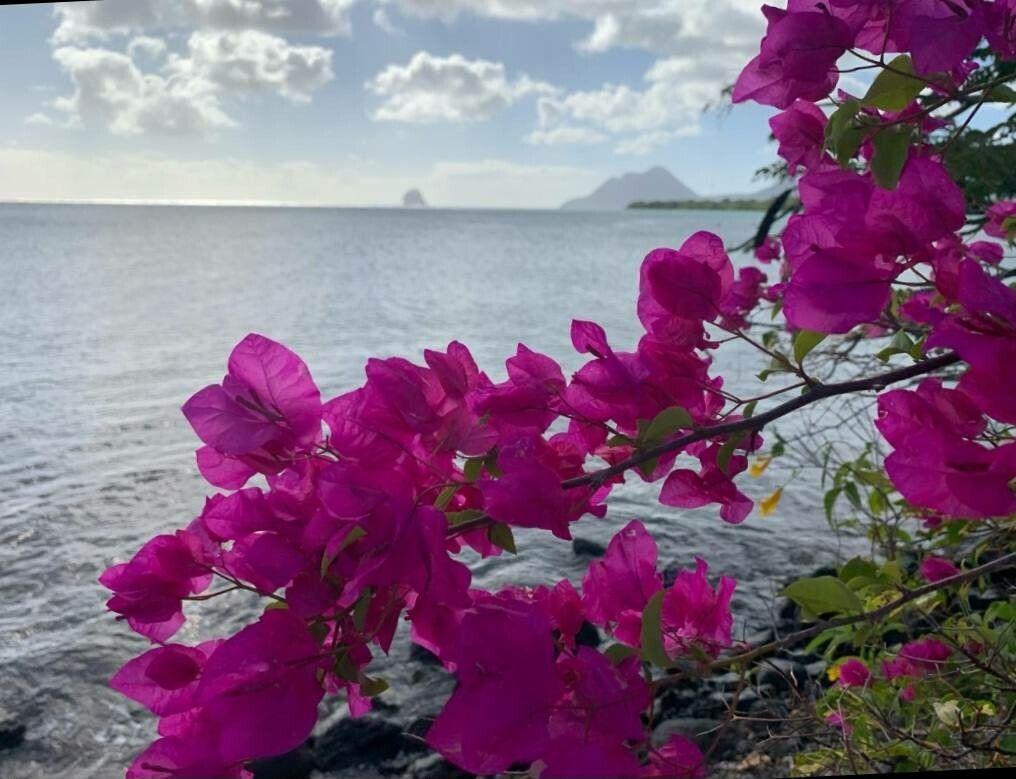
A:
[(725, 204)]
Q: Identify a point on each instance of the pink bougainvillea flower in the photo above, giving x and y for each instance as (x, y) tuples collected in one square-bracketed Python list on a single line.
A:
[(935, 569), (563, 605), (926, 205), (956, 477), (528, 495), (266, 409), (686, 489), (984, 335), (148, 591), (503, 651), (742, 297), (623, 581), (938, 35), (1000, 23), (190, 756), (836, 720), (916, 659), (572, 756), (769, 250), (164, 679), (679, 758), (854, 673), (800, 131), (797, 58), (524, 404), (686, 284), (834, 291), (950, 412), (695, 614), (601, 701), (231, 517), (928, 654), (1001, 219), (261, 687)]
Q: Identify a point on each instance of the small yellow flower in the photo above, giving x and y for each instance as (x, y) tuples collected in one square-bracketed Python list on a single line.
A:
[(759, 466), (833, 672), (768, 505)]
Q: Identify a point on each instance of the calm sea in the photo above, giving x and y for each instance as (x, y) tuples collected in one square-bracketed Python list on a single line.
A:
[(111, 316)]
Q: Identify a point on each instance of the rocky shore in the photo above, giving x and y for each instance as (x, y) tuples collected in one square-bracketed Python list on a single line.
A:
[(736, 722), (383, 744)]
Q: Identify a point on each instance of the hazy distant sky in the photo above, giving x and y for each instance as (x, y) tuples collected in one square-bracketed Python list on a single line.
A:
[(476, 102)]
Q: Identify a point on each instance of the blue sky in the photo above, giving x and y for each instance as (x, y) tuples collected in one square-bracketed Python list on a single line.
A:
[(495, 103)]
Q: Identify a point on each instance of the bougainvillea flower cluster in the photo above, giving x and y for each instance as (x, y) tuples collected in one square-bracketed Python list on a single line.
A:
[(348, 515)]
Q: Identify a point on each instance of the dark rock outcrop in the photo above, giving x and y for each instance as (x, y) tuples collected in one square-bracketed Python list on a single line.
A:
[(366, 741), (583, 547)]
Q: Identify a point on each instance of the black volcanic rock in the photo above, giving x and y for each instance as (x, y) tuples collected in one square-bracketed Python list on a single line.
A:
[(583, 547)]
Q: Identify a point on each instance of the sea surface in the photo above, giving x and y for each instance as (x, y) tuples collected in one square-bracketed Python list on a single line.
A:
[(111, 316)]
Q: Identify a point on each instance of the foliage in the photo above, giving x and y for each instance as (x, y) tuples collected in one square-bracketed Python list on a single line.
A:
[(348, 514)]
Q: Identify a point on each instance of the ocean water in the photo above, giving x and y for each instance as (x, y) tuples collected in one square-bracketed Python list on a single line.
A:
[(111, 316)]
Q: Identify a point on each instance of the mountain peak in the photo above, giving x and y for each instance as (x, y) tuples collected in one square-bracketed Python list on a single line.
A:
[(615, 194)]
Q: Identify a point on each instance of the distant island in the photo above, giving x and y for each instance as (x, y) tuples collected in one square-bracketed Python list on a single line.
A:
[(617, 193), (414, 199), (658, 188), (724, 204)]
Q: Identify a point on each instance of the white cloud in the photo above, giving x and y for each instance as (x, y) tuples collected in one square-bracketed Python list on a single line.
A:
[(39, 118), (706, 27), (450, 89), (701, 45), (185, 96), (153, 48), (252, 61), (146, 177), (647, 143), (80, 22), (670, 106), (565, 135), (109, 89), (383, 22)]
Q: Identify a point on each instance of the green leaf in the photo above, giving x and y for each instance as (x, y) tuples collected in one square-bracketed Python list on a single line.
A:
[(876, 502), (895, 89), (727, 450), (501, 536), (461, 517), (822, 595), (891, 149), (948, 712), (351, 538), (344, 668), (666, 423), (653, 650), (900, 344), (618, 652), (319, 630), (1001, 94), (446, 496), (361, 608), (852, 493), (804, 342), (371, 688), (858, 566), (830, 501), (473, 468), (843, 137)]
